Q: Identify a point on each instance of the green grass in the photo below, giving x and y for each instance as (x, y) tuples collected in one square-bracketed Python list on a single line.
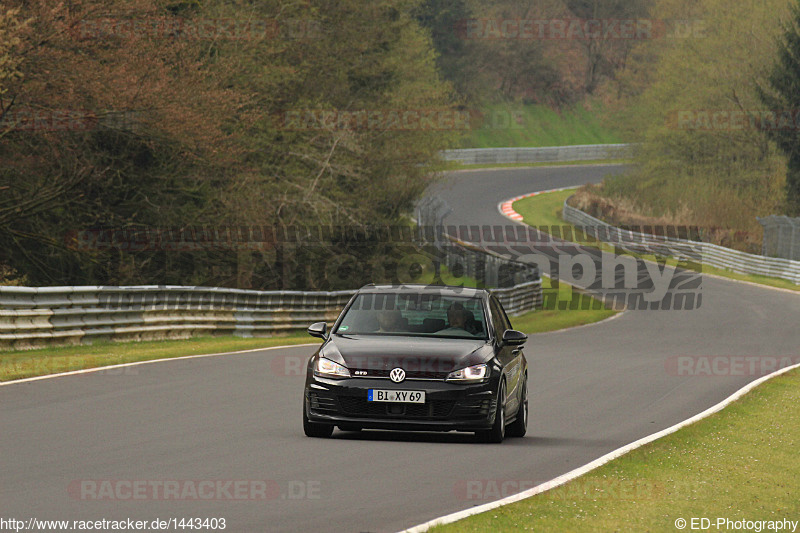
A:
[(18, 364), (544, 211), (741, 464), (752, 278), (516, 124), (588, 311)]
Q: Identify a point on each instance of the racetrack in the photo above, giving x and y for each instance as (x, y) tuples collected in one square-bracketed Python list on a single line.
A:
[(238, 417)]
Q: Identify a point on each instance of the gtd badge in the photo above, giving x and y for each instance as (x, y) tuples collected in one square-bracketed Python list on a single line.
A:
[(397, 375)]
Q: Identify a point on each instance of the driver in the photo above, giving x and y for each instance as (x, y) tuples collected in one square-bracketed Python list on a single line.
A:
[(457, 318), (389, 320)]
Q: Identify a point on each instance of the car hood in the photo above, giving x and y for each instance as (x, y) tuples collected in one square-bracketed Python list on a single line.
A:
[(424, 354)]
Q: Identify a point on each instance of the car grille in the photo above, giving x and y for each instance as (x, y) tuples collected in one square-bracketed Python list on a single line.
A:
[(410, 374), (474, 409), (355, 406)]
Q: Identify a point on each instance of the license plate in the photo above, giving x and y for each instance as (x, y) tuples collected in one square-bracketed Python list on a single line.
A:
[(400, 396)]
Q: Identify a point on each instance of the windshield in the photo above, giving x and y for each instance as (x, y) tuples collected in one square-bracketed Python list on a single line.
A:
[(415, 314)]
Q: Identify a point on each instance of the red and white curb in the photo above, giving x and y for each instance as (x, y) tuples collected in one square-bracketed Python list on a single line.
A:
[(506, 209), (569, 476)]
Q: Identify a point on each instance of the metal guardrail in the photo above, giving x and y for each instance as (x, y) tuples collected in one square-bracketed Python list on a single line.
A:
[(521, 298), (71, 315), (31, 317), (547, 154), (709, 254)]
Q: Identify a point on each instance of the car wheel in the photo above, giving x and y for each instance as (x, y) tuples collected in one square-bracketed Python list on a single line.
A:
[(519, 427), (498, 431), (313, 429)]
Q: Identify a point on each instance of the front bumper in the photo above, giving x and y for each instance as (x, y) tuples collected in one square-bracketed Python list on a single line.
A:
[(447, 407)]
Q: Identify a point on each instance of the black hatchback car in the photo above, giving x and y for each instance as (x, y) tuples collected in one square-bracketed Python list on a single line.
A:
[(420, 358)]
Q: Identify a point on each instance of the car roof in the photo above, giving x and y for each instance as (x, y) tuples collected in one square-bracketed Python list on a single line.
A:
[(442, 290)]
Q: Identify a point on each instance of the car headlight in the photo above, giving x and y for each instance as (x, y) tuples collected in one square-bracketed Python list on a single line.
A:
[(471, 373), (330, 369)]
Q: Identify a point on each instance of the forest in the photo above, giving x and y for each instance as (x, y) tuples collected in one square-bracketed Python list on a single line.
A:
[(180, 142)]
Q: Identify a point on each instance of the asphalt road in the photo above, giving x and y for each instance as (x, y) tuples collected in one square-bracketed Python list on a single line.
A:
[(238, 417)]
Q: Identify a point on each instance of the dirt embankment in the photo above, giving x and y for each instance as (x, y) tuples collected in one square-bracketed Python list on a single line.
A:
[(622, 213)]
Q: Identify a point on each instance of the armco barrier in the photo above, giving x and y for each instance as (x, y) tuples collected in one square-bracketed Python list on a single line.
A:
[(31, 317), (547, 154), (70, 315), (709, 254)]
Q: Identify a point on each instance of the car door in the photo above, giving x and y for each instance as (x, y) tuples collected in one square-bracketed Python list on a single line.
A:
[(509, 356)]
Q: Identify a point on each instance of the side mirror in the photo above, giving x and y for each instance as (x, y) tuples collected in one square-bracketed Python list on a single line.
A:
[(318, 329), (513, 337)]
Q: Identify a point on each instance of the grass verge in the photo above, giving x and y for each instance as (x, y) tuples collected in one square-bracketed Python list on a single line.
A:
[(516, 124), (739, 464), (542, 321), (544, 211), (19, 364)]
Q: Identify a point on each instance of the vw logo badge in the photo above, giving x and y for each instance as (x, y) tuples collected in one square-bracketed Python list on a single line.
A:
[(397, 375)]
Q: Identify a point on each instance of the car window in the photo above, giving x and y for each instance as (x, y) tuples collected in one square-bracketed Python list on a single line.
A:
[(414, 314), (499, 318)]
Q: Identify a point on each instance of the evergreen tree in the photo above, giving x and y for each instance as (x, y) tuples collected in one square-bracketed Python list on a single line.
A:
[(782, 95)]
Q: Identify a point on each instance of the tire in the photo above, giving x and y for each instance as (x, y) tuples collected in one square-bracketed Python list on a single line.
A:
[(498, 431), (313, 429), (519, 427)]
